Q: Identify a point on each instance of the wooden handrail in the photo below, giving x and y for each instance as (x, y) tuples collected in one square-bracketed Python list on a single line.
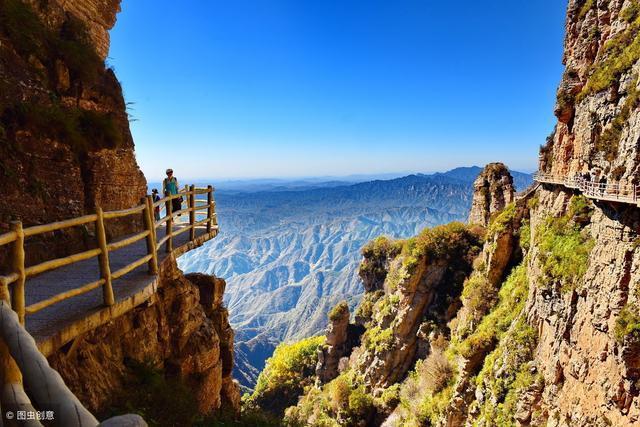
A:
[(8, 279), (61, 262), (7, 238), (59, 225), (19, 273), (128, 241), (131, 267), (34, 308), (125, 212)]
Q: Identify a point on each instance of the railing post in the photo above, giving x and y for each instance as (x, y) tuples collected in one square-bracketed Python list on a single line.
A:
[(10, 371), (169, 225), (17, 258), (214, 216), (192, 212), (105, 269), (151, 238), (209, 208)]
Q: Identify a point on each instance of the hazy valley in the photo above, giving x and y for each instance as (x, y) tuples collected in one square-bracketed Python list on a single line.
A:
[(289, 255)]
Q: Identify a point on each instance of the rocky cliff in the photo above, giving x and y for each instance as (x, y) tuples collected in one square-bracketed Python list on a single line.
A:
[(182, 334), (65, 144), (66, 148), (546, 328)]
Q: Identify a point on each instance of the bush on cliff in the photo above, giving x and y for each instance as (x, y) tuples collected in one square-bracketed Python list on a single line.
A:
[(341, 309), (511, 299), (286, 374), (564, 246), (341, 402), (628, 323)]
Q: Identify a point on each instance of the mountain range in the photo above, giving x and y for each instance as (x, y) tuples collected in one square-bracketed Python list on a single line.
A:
[(289, 255)]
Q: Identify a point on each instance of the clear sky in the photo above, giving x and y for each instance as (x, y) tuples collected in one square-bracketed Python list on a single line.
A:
[(293, 88)]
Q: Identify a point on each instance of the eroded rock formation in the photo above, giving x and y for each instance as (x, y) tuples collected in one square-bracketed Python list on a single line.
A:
[(493, 190)]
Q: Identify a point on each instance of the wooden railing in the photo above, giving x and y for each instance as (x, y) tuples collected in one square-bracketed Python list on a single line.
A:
[(19, 273), (615, 192)]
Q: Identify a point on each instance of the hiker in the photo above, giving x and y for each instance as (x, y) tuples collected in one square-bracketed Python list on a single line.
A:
[(155, 197), (603, 184), (170, 187)]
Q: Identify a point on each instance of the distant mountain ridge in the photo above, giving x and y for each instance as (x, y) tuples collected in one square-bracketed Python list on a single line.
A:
[(288, 256)]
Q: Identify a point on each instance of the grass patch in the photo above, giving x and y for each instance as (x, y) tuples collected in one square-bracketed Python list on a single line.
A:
[(628, 323), (564, 247), (609, 140), (511, 300), (586, 7), (620, 53), (504, 219)]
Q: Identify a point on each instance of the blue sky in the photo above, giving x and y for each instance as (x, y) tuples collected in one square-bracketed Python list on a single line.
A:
[(291, 88)]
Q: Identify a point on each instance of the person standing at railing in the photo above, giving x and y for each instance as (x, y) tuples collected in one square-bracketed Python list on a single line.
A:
[(155, 197), (170, 188)]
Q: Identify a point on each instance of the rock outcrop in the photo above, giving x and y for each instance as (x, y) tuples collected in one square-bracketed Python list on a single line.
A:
[(65, 149), (341, 338), (65, 144), (493, 190), (182, 332)]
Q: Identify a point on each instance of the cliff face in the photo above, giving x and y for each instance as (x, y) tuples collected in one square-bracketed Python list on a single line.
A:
[(64, 131), (65, 148), (183, 333)]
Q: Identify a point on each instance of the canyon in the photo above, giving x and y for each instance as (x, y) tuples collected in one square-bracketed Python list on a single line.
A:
[(290, 255)]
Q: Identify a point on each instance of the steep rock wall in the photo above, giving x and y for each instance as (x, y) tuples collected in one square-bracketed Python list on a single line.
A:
[(183, 331), (65, 144)]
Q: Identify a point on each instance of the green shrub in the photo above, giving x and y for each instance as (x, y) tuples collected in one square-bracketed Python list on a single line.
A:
[(628, 323), (631, 13), (377, 339), (586, 7), (161, 400), (342, 402), (364, 312), (609, 140), (479, 295), (285, 375), (564, 248), (503, 220), (511, 300), (506, 372), (339, 311)]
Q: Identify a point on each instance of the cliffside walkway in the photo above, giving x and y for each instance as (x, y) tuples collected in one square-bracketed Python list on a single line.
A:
[(59, 299), (612, 192)]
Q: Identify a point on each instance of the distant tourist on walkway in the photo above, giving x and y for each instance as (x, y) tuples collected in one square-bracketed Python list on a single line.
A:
[(603, 183), (155, 197), (169, 188)]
